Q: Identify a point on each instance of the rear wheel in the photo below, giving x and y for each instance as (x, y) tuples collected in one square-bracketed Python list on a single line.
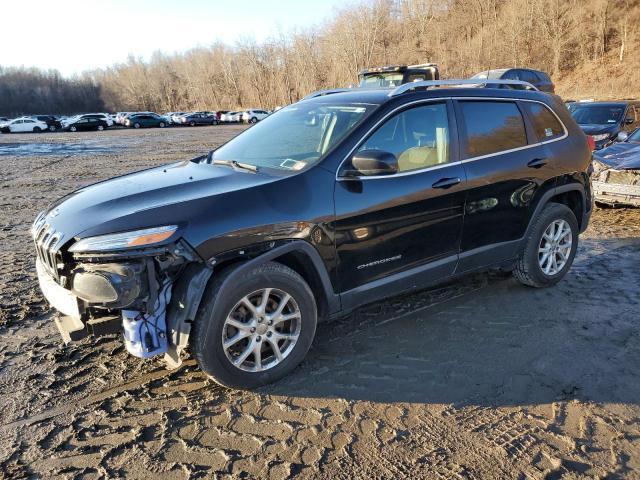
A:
[(550, 247), (257, 329), (37, 129), (52, 128), (161, 125)]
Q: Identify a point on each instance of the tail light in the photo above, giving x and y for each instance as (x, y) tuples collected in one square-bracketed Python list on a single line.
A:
[(591, 142)]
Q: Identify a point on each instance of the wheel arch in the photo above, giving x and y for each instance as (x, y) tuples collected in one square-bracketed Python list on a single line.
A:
[(572, 195)]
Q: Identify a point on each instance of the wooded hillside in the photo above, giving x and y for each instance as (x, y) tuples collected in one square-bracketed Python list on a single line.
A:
[(591, 48)]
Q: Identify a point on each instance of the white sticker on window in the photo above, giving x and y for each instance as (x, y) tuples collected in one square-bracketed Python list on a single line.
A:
[(548, 132)]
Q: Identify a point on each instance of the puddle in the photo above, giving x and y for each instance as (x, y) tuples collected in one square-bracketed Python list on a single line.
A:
[(30, 149)]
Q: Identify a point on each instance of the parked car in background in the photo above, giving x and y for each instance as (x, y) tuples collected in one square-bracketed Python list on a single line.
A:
[(538, 79), (231, 117), (4, 119), (175, 117), (99, 116), (603, 121), (616, 171), (254, 116), (23, 124), (82, 123), (198, 118), (219, 114), (394, 75), (140, 120), (52, 122), (120, 116), (232, 257)]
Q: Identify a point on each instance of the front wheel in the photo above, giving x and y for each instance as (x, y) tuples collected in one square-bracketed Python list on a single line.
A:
[(253, 120), (52, 128), (72, 129), (192, 124), (37, 129), (100, 128), (161, 125), (550, 247), (256, 329), (136, 125)]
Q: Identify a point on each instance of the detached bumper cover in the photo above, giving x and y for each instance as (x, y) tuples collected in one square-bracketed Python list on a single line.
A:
[(60, 298)]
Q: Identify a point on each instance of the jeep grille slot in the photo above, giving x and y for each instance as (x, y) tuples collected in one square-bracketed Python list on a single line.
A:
[(46, 239)]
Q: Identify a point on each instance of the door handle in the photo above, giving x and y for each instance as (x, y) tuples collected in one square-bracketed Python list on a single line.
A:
[(446, 182), (537, 163)]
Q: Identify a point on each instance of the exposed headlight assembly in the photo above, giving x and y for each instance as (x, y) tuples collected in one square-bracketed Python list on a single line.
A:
[(124, 240), (602, 136)]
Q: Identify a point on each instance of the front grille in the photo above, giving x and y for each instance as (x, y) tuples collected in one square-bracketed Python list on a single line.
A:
[(46, 241)]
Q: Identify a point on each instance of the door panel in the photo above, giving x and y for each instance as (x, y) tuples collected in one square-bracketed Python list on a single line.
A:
[(390, 224), (503, 186)]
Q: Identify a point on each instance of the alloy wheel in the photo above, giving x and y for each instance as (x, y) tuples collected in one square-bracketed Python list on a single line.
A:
[(555, 247), (261, 330)]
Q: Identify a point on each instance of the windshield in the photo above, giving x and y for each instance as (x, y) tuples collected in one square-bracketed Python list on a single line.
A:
[(597, 114), (389, 79), (294, 137)]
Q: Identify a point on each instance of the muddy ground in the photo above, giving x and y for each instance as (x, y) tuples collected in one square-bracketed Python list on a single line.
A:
[(481, 379)]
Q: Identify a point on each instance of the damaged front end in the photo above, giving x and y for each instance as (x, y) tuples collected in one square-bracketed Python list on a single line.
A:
[(147, 291), (616, 185)]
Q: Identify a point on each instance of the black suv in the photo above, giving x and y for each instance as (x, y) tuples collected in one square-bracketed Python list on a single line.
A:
[(328, 204), (538, 79)]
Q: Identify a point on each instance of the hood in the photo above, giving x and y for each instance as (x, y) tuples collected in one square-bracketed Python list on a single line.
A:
[(595, 129), (166, 195), (621, 156)]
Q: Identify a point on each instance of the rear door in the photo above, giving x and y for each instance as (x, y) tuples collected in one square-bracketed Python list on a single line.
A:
[(410, 220), (507, 169)]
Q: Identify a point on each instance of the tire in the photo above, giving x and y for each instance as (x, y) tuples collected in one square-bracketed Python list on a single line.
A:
[(37, 129), (529, 266), (220, 301), (52, 128), (136, 125), (192, 124), (253, 120), (214, 122), (72, 129), (161, 124), (100, 128)]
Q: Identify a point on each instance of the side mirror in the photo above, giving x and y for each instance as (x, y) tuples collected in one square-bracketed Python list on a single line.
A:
[(622, 137), (373, 162)]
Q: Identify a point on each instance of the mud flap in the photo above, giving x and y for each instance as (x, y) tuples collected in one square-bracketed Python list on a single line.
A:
[(186, 296)]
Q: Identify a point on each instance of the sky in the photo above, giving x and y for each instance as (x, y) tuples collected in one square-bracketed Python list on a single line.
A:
[(76, 35)]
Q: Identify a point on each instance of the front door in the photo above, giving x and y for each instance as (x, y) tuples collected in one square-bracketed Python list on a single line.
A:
[(391, 227)]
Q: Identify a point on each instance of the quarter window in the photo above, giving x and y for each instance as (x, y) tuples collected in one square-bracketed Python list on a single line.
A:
[(418, 137), (545, 124), (491, 127)]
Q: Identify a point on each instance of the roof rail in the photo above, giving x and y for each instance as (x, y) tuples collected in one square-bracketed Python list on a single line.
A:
[(476, 82), (322, 93)]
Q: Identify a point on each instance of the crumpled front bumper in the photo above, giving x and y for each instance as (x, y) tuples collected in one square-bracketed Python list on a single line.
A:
[(617, 187)]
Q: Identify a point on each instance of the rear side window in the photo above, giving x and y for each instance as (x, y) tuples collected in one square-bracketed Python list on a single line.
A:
[(545, 124), (491, 127)]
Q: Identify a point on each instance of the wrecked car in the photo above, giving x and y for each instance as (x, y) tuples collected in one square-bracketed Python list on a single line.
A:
[(603, 121), (336, 201), (616, 172)]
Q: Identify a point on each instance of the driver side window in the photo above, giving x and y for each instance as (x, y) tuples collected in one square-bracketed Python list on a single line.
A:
[(418, 137)]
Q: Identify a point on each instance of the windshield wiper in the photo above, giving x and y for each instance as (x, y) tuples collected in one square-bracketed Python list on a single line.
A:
[(235, 164)]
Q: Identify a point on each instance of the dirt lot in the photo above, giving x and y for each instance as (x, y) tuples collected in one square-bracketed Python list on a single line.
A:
[(478, 379)]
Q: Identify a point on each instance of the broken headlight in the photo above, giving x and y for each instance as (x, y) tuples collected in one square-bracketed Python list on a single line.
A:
[(124, 240)]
